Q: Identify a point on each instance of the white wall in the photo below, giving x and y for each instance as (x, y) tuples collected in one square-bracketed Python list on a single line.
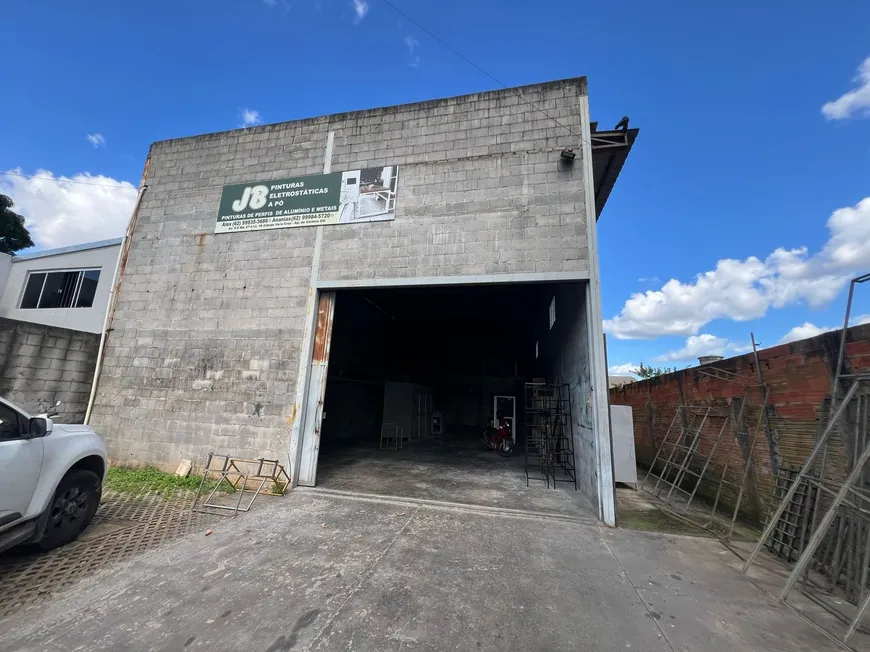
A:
[(5, 268), (90, 319)]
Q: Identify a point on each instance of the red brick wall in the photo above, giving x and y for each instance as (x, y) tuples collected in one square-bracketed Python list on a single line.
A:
[(799, 378)]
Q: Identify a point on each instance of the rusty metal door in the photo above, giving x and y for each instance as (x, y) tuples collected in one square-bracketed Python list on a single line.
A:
[(316, 389)]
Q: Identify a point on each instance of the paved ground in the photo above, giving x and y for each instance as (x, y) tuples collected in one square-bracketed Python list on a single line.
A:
[(323, 572), (449, 469), (125, 525)]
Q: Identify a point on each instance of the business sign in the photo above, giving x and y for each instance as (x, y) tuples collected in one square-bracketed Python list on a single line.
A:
[(339, 198)]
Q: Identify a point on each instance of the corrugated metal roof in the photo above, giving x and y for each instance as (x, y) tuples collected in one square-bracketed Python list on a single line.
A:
[(68, 250)]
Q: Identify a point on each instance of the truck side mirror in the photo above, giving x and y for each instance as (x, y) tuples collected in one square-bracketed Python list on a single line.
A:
[(40, 427), (53, 410)]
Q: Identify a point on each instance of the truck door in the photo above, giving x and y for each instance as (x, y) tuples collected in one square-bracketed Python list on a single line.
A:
[(20, 464)]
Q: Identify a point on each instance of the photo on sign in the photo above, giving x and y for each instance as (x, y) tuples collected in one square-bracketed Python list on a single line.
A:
[(368, 195)]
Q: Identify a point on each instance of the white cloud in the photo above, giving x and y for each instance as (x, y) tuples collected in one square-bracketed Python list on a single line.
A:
[(270, 3), (61, 211), (856, 100), (97, 140), (415, 63), (745, 289), (412, 43), (250, 118), (808, 329), (703, 344), (361, 7), (804, 331), (626, 369)]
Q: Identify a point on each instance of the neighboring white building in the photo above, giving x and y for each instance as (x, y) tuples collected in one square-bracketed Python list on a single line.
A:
[(67, 287)]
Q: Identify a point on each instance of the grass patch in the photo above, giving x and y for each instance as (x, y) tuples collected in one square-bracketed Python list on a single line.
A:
[(278, 488), (742, 531), (654, 520), (139, 481)]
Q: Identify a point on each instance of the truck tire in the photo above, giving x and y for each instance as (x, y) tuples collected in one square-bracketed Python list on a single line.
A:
[(72, 507)]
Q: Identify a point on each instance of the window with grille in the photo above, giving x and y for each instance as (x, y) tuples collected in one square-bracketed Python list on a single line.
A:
[(552, 312), (61, 289)]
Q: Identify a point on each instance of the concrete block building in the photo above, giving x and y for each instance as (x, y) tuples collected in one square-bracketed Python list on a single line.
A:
[(276, 279)]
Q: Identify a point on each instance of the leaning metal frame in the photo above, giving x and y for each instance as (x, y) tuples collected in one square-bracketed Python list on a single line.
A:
[(848, 495), (236, 472), (689, 452)]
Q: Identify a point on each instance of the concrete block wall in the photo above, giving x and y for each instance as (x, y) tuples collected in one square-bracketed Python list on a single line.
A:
[(481, 187), (205, 342), (799, 375), (568, 344), (42, 364)]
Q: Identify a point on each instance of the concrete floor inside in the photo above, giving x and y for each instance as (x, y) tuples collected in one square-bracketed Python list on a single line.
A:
[(448, 469)]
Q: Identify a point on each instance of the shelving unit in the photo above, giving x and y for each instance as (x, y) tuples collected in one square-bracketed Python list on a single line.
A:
[(549, 434)]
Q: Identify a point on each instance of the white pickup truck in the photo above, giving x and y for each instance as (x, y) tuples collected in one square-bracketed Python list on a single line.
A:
[(51, 478)]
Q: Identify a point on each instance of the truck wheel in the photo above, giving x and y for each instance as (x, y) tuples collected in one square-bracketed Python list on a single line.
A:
[(73, 506)]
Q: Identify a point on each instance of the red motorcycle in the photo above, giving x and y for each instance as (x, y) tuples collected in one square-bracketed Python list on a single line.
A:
[(499, 439)]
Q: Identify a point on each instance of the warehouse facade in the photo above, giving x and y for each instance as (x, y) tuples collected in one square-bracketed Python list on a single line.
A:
[(249, 248)]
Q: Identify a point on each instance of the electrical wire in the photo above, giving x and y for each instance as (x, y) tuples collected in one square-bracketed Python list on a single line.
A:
[(410, 20), (477, 67), (63, 180)]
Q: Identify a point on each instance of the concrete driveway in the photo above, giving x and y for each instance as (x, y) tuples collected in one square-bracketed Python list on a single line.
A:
[(315, 571)]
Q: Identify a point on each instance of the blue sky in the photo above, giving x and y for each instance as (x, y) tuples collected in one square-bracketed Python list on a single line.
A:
[(736, 157)]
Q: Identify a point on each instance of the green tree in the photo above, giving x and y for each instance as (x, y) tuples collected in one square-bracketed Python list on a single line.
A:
[(13, 234), (645, 372)]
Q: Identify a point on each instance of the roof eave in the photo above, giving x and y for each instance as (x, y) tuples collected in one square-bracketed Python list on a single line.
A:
[(610, 150)]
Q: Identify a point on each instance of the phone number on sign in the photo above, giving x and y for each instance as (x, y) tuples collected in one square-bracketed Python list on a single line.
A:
[(284, 220)]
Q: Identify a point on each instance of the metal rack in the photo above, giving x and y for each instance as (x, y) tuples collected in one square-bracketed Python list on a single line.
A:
[(421, 416), (536, 433), (549, 434), (834, 539), (391, 436), (240, 476), (787, 536), (684, 461)]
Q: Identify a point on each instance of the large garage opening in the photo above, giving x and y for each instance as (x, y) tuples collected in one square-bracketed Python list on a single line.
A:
[(417, 375)]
